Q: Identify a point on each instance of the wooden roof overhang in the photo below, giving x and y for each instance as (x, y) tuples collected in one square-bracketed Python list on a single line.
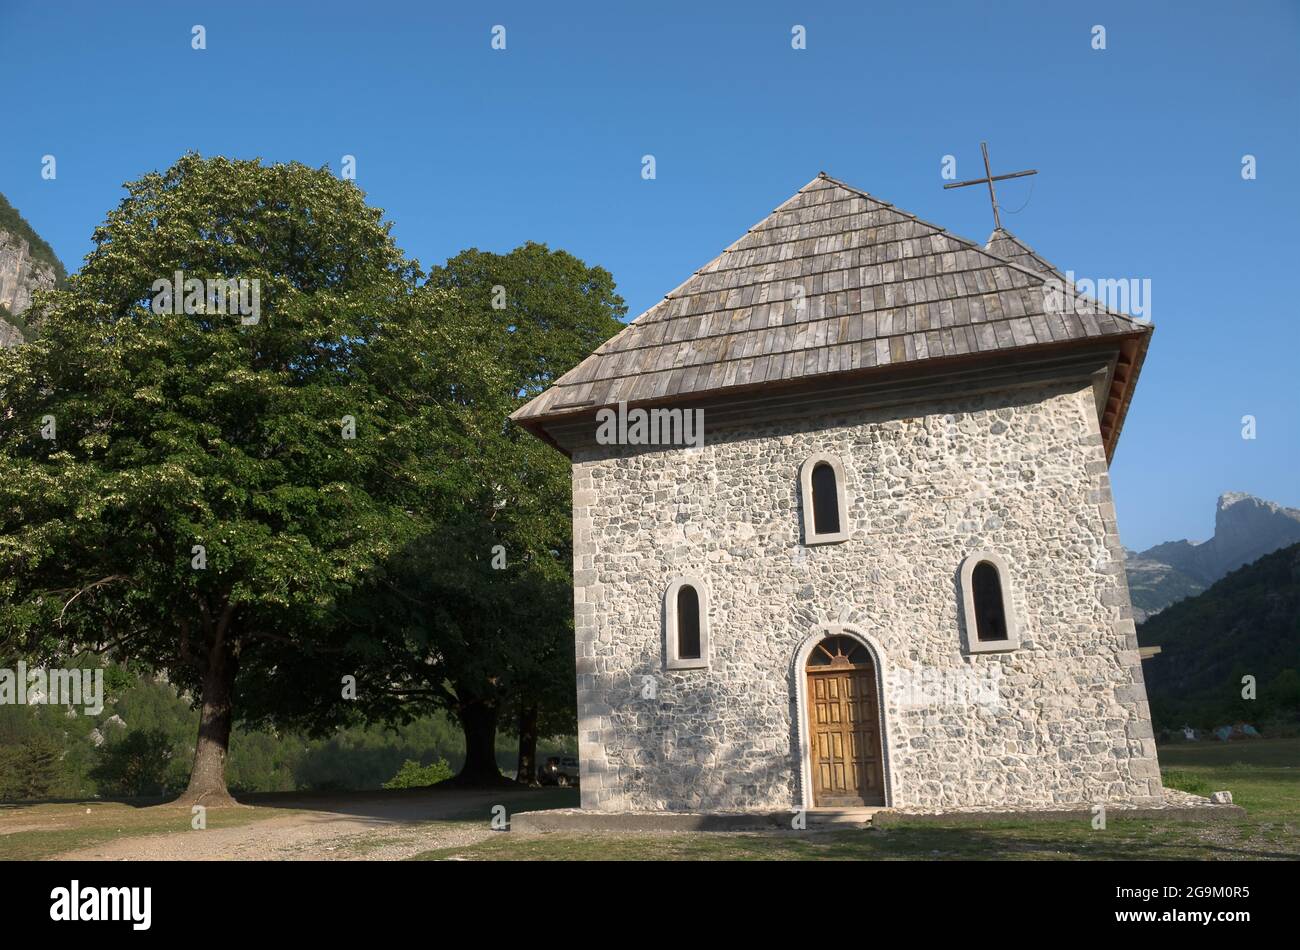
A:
[(837, 295), (1110, 365)]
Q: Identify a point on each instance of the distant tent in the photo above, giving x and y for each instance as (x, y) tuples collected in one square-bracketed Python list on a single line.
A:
[(1238, 730)]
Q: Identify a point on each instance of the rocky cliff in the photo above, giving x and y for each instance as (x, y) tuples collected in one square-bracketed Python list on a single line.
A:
[(1245, 529), (27, 265), (1154, 585)]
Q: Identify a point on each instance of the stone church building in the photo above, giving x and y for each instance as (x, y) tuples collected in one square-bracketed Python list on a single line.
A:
[(889, 573)]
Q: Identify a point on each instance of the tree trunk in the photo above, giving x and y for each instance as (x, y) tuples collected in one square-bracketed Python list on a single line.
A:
[(527, 770), (208, 776), (479, 721)]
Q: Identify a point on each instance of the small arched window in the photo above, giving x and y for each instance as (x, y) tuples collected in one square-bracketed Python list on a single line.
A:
[(986, 588), (686, 624), (826, 508), (986, 601), (825, 513)]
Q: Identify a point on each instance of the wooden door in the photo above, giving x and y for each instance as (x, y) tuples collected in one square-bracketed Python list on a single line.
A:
[(843, 710)]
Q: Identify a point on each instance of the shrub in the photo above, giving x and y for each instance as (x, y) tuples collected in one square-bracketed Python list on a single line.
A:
[(135, 765), (414, 775)]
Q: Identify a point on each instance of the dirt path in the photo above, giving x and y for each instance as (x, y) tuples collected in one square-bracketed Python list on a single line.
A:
[(323, 828)]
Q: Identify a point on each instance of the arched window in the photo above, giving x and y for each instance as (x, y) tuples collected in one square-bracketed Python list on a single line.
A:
[(986, 588), (825, 513), (986, 601), (686, 624), (826, 508), (839, 651)]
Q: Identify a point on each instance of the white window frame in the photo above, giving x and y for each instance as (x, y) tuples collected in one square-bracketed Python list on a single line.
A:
[(671, 660), (810, 534), (973, 642)]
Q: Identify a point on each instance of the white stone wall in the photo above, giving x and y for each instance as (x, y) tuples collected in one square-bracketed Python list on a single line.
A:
[(1021, 473)]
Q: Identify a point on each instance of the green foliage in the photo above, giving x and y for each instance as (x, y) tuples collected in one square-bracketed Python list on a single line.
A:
[(414, 775), (177, 430), (456, 629), (444, 624), (139, 703), (41, 727), (15, 320), (138, 764), (16, 224), (557, 309), (30, 770), (326, 556), (359, 757), (192, 429), (1247, 624)]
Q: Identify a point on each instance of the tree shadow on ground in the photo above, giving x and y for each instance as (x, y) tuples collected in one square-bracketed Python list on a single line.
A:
[(445, 801)]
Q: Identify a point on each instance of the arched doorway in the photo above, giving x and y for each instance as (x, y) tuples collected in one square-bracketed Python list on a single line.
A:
[(844, 745)]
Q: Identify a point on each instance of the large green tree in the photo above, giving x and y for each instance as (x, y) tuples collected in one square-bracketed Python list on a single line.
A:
[(202, 492), (476, 617), (549, 310)]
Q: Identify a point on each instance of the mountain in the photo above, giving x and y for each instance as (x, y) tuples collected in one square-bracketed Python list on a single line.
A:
[(1245, 529), (1247, 623), (27, 264), (1154, 585)]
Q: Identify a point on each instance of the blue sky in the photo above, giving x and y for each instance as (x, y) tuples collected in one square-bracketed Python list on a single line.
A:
[(1138, 147)]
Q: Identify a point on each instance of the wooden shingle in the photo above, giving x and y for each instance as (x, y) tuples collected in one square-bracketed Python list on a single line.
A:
[(832, 281)]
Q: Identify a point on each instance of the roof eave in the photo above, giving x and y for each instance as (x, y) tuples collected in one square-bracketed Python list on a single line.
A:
[(1132, 347), (1125, 386)]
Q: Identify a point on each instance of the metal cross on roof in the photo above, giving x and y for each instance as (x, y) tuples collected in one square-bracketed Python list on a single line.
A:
[(990, 178)]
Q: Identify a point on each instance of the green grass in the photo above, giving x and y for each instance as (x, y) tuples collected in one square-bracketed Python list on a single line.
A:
[(1186, 782), (1262, 774), (46, 830), (1043, 841), (1264, 777)]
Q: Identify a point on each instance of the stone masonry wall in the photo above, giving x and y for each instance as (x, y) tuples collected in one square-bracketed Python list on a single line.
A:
[(1021, 473)]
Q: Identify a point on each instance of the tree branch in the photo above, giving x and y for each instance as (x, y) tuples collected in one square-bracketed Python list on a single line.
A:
[(99, 583)]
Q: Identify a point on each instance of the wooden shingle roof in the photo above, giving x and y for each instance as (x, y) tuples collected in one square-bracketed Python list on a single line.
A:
[(833, 281), (1002, 243)]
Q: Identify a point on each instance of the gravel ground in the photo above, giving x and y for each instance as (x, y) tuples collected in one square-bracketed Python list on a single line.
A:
[(346, 829)]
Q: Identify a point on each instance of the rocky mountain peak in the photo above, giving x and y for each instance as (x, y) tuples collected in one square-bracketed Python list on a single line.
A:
[(1245, 529), (1230, 498)]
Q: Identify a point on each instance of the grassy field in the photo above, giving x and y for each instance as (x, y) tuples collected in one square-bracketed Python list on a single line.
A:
[(1264, 777)]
